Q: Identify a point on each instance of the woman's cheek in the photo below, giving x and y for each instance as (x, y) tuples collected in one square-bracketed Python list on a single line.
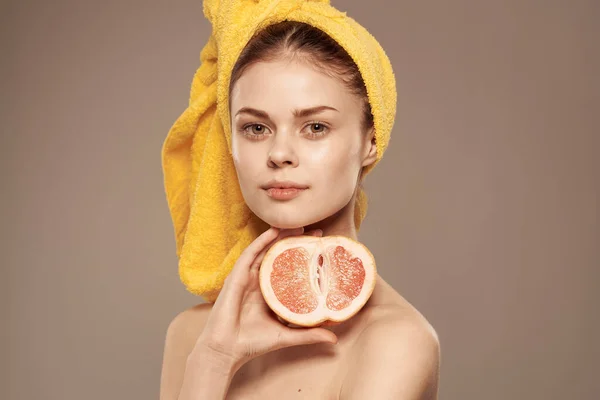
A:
[(320, 155)]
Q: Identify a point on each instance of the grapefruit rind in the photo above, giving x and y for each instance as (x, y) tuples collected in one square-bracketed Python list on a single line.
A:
[(321, 314)]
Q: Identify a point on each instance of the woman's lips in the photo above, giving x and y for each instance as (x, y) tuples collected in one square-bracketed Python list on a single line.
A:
[(283, 194)]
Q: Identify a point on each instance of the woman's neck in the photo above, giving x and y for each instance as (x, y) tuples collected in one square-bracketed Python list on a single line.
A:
[(340, 223)]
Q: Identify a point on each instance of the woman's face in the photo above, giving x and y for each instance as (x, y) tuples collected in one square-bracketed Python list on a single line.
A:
[(276, 136)]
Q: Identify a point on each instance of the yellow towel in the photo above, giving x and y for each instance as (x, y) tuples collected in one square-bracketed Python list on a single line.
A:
[(212, 223)]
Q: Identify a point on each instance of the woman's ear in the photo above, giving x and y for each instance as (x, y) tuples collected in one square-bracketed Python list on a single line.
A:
[(370, 153)]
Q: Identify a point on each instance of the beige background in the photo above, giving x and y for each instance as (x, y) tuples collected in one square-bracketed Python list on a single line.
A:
[(484, 212)]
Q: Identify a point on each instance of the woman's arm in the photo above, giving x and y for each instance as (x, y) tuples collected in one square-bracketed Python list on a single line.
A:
[(207, 376), (189, 371), (182, 335), (395, 359)]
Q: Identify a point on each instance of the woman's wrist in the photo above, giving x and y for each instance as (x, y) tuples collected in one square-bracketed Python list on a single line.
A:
[(208, 375), (203, 355)]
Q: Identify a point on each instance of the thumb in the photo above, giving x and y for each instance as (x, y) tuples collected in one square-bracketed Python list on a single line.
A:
[(296, 337)]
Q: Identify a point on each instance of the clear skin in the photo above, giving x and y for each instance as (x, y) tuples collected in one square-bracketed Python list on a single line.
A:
[(325, 150)]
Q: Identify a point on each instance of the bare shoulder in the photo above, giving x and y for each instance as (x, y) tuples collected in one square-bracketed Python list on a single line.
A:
[(396, 356), (182, 333), (188, 324)]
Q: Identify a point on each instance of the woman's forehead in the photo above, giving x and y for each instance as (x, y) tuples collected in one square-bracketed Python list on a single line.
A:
[(289, 85)]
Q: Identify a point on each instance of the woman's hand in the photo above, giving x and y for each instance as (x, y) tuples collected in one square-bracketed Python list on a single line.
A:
[(241, 326)]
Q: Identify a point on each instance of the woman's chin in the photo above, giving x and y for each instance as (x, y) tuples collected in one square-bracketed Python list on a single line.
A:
[(288, 219), (287, 224), (282, 225)]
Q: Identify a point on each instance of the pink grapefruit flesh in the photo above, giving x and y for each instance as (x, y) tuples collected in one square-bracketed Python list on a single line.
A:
[(311, 281)]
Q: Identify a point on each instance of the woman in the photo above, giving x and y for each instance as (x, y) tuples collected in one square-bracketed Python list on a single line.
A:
[(299, 113)]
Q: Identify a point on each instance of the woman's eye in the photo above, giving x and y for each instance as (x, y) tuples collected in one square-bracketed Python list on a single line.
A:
[(317, 129), (254, 131), (259, 131)]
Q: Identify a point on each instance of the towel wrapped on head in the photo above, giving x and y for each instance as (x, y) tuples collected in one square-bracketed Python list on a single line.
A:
[(212, 222)]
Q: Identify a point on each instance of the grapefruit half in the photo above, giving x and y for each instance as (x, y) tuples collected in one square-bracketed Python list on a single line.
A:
[(311, 281)]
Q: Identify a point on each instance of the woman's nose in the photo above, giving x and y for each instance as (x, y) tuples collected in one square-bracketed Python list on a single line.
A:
[(282, 152)]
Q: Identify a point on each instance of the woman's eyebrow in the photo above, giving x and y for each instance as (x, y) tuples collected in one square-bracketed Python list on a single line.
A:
[(298, 113), (253, 111), (310, 111)]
